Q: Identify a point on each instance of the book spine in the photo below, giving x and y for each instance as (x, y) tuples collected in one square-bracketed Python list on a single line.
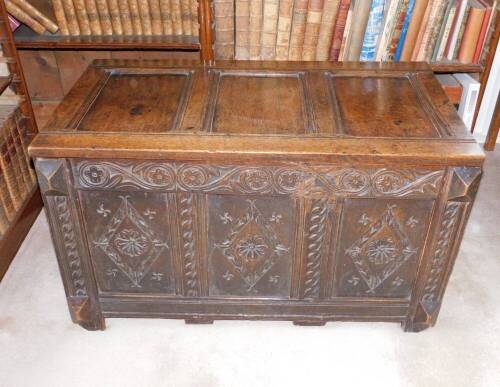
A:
[(114, 13), (404, 31), (338, 31), (313, 23), (471, 35), (60, 17), (37, 15), (224, 29), (360, 20), (347, 33), (421, 31), (145, 17), (102, 9), (446, 32), (23, 17), (284, 28), (95, 25), (81, 16), (388, 28), (461, 31), (373, 27), (330, 11), (125, 17), (455, 27), (440, 30), (186, 17), (135, 16), (166, 17), (423, 52), (242, 18), (482, 35), (195, 26), (396, 33), (156, 22), (413, 29), (436, 30), (297, 33), (255, 29), (175, 7), (269, 29)]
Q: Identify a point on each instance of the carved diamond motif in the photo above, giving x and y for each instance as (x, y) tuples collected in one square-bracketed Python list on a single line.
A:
[(129, 243), (382, 250), (252, 247)]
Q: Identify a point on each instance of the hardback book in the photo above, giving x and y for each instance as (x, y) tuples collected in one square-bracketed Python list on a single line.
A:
[(23, 17), (413, 29), (422, 30), (298, 30), (114, 13), (449, 17), (359, 21), (166, 17), (470, 93), (373, 30), (60, 17), (224, 29), (255, 29), (269, 29), (135, 17), (404, 31), (82, 17), (455, 28), (175, 7), (93, 16), (195, 25), (484, 31), (104, 17), (396, 33), (145, 17), (156, 22), (388, 25), (429, 32), (340, 28), (347, 32), (326, 29), (461, 31), (437, 27), (185, 17), (71, 18), (311, 34), (37, 15), (242, 19), (471, 33), (125, 17), (284, 28)]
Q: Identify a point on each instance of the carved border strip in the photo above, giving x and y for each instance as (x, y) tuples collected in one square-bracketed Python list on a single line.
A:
[(297, 180)]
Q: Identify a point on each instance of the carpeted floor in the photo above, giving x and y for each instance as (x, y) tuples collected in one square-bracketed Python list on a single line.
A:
[(39, 346)]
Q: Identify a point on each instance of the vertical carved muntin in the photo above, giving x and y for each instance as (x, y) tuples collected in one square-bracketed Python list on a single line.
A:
[(455, 204), (68, 237)]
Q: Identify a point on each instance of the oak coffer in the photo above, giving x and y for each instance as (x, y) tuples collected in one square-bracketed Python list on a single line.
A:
[(309, 192)]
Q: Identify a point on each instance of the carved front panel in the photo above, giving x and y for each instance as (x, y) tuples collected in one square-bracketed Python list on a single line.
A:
[(380, 243), (129, 239), (250, 241)]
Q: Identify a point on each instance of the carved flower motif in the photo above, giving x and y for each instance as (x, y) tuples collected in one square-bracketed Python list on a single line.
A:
[(251, 248), (131, 243), (354, 181), (412, 222), (289, 179), (94, 174), (255, 179), (381, 251), (158, 176), (228, 276), (193, 177), (364, 220), (388, 182)]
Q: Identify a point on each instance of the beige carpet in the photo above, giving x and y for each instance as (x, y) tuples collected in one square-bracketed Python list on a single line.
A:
[(39, 346)]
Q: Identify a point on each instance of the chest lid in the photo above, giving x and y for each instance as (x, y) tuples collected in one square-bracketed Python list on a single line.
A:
[(257, 108)]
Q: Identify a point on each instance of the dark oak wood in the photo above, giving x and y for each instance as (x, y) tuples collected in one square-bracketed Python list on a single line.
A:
[(309, 192), (491, 139)]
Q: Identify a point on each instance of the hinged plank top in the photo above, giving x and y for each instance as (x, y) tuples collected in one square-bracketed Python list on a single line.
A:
[(340, 111)]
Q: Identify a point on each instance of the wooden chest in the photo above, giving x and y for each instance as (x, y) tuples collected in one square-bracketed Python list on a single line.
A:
[(309, 192)]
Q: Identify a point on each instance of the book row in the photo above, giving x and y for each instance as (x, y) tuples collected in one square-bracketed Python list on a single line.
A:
[(17, 177), (353, 30)]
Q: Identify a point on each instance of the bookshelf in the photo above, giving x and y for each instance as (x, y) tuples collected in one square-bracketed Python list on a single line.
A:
[(25, 215)]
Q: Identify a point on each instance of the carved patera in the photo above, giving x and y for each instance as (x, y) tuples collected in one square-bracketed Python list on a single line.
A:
[(70, 244), (316, 234), (381, 250), (129, 242), (444, 244), (297, 179), (252, 247)]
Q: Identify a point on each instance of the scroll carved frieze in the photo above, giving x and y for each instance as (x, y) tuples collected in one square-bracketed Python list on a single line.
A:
[(315, 247), (430, 298), (296, 179), (69, 243)]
